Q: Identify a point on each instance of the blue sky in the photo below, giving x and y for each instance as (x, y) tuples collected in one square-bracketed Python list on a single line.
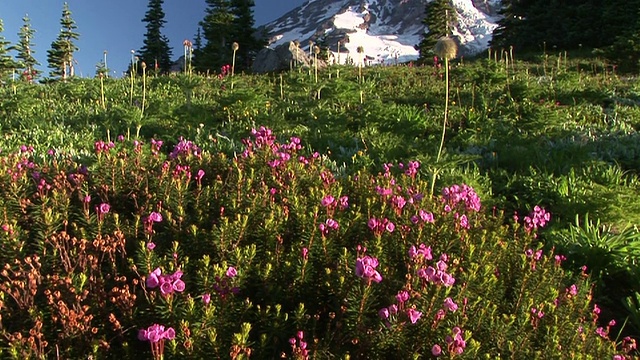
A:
[(114, 26)]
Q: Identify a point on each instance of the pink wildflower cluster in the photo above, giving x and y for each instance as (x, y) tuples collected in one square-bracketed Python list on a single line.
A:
[(536, 315), (155, 146), (264, 138), (422, 217), (185, 148), (327, 226), (284, 153), (437, 275), (156, 334), (168, 283), (628, 346), (411, 169), (366, 269), (533, 256), (102, 209), (422, 251), (455, 343), (102, 147), (539, 217), (43, 186), (223, 286), (154, 217), (299, 346), (460, 194), (379, 226), (225, 70), (26, 149), (182, 171), (332, 203), (21, 169), (390, 313)]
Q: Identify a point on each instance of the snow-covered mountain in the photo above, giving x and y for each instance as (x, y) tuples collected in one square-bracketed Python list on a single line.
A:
[(386, 29)]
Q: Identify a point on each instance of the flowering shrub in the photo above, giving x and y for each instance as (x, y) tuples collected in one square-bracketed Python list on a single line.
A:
[(270, 243)]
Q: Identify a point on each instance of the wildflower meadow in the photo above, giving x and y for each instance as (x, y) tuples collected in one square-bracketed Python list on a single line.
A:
[(302, 217)]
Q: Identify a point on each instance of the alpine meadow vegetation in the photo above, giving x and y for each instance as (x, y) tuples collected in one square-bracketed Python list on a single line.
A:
[(483, 209), (187, 218)]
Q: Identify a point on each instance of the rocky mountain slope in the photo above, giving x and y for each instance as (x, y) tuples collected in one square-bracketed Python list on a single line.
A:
[(388, 30)]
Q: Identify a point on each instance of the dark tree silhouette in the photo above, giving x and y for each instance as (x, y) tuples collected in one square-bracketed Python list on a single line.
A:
[(440, 18), (60, 56), (155, 52)]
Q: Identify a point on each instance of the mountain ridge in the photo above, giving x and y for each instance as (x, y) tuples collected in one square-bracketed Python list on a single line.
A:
[(388, 30)]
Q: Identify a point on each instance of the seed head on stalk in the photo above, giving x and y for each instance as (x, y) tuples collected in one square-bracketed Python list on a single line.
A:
[(446, 48)]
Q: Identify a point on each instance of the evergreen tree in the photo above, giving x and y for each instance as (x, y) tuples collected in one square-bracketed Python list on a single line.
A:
[(24, 47), (156, 52), (440, 18), (197, 48), (563, 24), (60, 56), (626, 49), (6, 61), (244, 32), (217, 30)]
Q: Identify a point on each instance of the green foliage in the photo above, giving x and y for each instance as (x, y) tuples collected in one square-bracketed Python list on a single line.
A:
[(226, 22), (244, 236), (440, 18), (24, 49), (537, 25), (155, 52), (217, 32), (7, 65), (555, 132), (60, 56)]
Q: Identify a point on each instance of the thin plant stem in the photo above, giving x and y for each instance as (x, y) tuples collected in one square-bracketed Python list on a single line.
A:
[(446, 107), (104, 106)]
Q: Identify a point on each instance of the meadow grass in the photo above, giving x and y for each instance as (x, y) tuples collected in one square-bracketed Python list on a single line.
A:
[(295, 217)]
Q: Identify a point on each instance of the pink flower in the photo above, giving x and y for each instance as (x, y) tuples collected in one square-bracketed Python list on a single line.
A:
[(156, 333), (414, 315), (155, 217), (206, 298), (231, 272), (327, 200), (151, 246), (365, 268), (402, 296), (383, 313), (153, 279), (166, 288), (344, 202), (200, 175), (390, 227), (450, 305), (178, 285), (436, 350), (104, 208)]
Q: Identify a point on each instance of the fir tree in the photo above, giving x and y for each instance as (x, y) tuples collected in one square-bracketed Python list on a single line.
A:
[(25, 51), (197, 48), (6, 61), (244, 32), (440, 18), (60, 56), (217, 30), (156, 51)]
